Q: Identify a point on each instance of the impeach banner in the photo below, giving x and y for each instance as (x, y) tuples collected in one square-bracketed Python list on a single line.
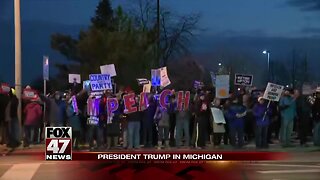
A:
[(100, 82), (273, 92)]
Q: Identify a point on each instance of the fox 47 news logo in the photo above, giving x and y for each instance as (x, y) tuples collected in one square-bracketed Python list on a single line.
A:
[(58, 143)]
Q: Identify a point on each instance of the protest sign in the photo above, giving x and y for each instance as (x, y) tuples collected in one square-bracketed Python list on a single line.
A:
[(183, 101), (273, 92), (86, 85), (155, 77), (213, 78), (142, 81), (75, 78), (30, 94), (100, 82), (217, 115), (143, 104), (108, 69), (4, 88), (112, 105), (198, 84), (129, 103), (222, 86), (164, 79), (147, 87), (243, 80), (163, 99), (308, 88)]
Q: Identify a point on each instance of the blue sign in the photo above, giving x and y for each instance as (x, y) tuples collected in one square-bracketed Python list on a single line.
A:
[(155, 77), (100, 82)]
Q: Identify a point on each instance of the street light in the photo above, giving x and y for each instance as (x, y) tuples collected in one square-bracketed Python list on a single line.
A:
[(268, 55), (17, 40), (220, 64)]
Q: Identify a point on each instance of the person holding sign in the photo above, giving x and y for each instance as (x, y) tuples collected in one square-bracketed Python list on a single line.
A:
[(262, 114), (202, 118), (134, 121), (235, 116), (287, 107), (218, 122), (73, 120)]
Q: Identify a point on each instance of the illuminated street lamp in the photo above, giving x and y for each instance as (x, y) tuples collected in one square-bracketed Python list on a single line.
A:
[(268, 55)]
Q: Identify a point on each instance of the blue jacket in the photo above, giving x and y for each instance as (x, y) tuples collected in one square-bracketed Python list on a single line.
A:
[(288, 108), (73, 119), (259, 111), (231, 115)]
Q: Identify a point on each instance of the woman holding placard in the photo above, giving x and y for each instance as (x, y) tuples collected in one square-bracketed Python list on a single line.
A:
[(217, 122)]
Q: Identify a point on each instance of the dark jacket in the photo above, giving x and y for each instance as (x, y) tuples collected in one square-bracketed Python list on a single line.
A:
[(14, 107), (231, 113), (135, 116), (259, 111), (316, 110)]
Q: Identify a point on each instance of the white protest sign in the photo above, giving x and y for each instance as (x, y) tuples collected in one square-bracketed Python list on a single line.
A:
[(308, 88), (108, 69), (222, 86), (75, 78), (218, 116), (45, 68), (273, 92), (100, 82), (164, 79), (147, 87)]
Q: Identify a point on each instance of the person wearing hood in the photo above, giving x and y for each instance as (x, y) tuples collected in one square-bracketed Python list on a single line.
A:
[(262, 115), (73, 120), (57, 111), (134, 122), (202, 118), (13, 122), (33, 114), (235, 115), (316, 118), (287, 106)]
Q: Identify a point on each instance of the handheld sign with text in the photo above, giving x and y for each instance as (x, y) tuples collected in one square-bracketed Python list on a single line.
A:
[(108, 69), (155, 77), (222, 86), (75, 78), (243, 80), (273, 92), (100, 82), (58, 143)]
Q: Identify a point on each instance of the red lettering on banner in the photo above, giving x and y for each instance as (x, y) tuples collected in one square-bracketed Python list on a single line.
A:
[(183, 99), (143, 104), (163, 97), (112, 105), (129, 102)]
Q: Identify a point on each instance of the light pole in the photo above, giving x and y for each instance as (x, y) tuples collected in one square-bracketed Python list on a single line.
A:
[(17, 40), (268, 55)]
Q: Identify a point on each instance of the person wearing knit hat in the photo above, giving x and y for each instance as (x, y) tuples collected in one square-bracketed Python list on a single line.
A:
[(287, 106), (235, 116)]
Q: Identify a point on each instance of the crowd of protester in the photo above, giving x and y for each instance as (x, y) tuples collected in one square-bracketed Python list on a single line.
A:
[(247, 117)]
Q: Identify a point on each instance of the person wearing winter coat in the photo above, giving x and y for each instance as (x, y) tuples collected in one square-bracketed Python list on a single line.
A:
[(287, 106), (33, 114), (148, 122), (316, 118), (217, 122), (162, 118), (11, 115), (73, 120), (182, 127), (134, 123), (262, 115), (57, 111), (235, 115), (202, 118)]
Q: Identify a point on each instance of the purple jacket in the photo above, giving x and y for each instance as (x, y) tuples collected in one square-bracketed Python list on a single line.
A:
[(259, 111)]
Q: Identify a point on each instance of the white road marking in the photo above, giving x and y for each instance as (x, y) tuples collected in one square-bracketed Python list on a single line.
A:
[(286, 165), (21, 171), (290, 171)]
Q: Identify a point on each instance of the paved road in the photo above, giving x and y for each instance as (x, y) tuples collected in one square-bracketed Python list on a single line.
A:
[(304, 165)]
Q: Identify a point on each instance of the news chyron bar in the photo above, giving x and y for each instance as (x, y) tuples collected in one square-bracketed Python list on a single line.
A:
[(58, 143)]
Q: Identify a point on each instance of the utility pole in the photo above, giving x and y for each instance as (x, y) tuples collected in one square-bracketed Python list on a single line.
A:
[(17, 40), (293, 68), (158, 34)]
